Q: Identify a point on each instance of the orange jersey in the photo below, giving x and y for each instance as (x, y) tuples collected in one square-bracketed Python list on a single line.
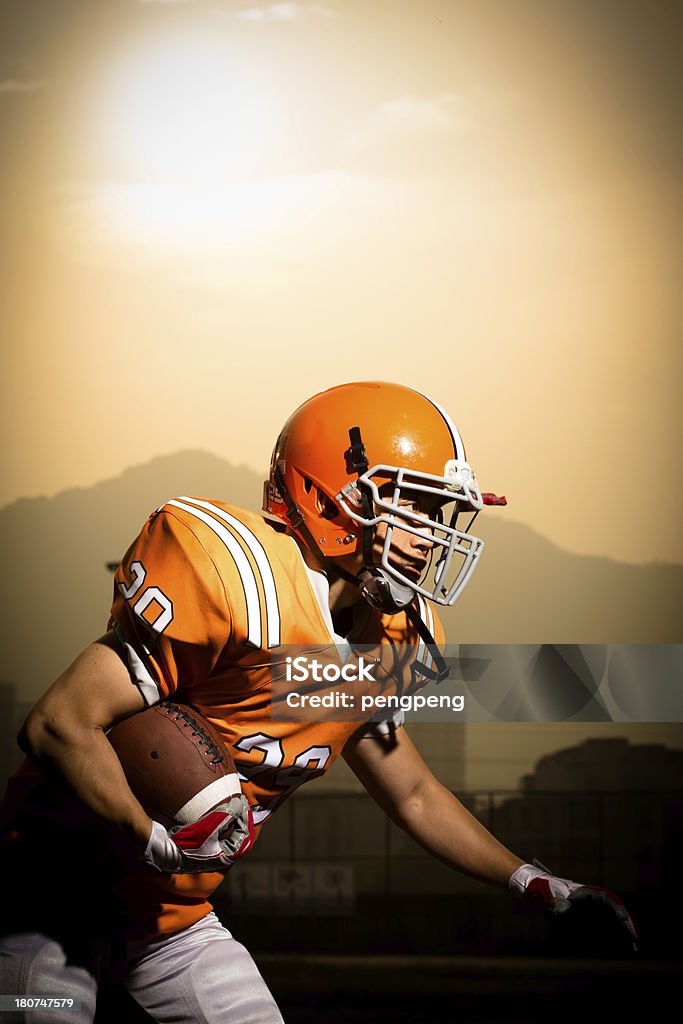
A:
[(204, 599)]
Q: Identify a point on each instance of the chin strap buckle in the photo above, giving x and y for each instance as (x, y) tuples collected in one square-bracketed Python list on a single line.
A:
[(293, 512), (356, 456)]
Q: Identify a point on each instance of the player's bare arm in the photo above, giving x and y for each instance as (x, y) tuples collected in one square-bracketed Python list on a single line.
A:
[(398, 779), (65, 734)]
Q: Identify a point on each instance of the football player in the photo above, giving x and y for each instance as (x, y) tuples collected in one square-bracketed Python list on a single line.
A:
[(362, 535)]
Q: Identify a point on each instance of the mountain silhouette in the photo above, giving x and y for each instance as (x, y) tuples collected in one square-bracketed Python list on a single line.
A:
[(57, 590)]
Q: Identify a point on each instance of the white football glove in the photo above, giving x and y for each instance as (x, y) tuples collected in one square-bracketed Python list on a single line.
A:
[(535, 882), (210, 844)]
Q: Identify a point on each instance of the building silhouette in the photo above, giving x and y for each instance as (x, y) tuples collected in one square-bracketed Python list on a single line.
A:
[(606, 811), (607, 764)]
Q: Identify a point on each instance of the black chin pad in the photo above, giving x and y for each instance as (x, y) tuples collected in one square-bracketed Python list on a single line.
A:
[(383, 593)]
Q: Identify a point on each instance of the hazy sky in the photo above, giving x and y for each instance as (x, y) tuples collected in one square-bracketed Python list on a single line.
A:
[(213, 209)]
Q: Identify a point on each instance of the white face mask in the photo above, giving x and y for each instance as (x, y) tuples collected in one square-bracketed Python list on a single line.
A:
[(454, 553)]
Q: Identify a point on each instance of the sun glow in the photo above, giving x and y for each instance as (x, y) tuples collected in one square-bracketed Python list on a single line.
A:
[(190, 110)]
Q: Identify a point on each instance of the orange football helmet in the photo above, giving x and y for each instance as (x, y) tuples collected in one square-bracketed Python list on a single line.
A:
[(347, 458)]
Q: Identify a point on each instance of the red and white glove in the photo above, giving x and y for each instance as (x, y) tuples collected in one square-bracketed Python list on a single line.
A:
[(535, 882), (210, 844)]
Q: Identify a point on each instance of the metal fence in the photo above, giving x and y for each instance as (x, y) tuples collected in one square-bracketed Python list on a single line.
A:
[(627, 840)]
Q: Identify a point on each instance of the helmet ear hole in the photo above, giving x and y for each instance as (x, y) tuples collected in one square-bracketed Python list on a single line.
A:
[(308, 483), (325, 506)]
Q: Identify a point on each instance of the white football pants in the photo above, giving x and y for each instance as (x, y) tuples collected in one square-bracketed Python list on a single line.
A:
[(198, 976)]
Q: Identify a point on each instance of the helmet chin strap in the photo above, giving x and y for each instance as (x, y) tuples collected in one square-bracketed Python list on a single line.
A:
[(376, 586)]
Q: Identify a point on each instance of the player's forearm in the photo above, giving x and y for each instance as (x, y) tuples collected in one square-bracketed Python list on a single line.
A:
[(445, 828), (81, 758)]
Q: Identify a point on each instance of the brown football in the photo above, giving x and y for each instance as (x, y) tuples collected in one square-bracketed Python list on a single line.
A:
[(175, 762)]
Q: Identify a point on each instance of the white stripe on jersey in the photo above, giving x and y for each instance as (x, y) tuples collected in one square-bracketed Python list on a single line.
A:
[(243, 567), (261, 559), (429, 618)]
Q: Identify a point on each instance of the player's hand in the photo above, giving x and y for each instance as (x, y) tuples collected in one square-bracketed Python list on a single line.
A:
[(535, 882), (210, 844)]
